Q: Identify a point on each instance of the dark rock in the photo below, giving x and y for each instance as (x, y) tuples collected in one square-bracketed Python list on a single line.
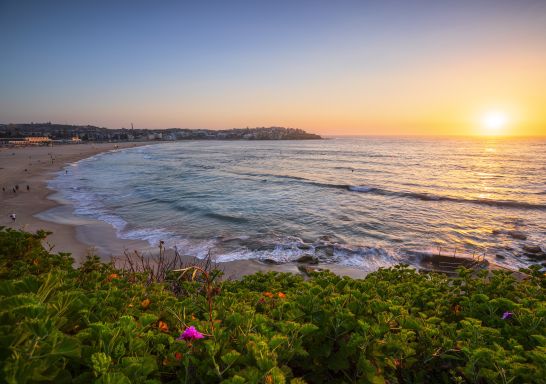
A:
[(513, 234), (304, 246), (306, 270), (327, 249), (308, 259), (517, 235), (532, 249), (270, 261), (499, 256), (536, 256)]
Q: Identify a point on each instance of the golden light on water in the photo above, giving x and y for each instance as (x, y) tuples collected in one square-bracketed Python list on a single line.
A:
[(494, 123)]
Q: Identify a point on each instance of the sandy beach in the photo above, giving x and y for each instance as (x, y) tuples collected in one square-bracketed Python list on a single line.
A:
[(24, 173), (37, 207)]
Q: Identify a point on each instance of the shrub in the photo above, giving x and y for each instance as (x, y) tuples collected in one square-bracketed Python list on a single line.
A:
[(104, 325)]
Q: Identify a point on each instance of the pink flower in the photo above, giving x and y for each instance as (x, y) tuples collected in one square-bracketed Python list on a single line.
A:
[(507, 315), (190, 334)]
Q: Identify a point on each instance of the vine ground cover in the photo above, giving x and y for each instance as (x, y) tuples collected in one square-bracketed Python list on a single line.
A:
[(99, 324)]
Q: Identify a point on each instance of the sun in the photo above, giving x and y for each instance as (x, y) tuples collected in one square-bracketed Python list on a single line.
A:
[(494, 122)]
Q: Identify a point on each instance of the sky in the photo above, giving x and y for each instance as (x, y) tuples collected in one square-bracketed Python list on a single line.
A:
[(329, 67)]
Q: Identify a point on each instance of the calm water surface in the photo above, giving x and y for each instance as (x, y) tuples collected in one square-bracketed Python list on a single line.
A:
[(362, 202)]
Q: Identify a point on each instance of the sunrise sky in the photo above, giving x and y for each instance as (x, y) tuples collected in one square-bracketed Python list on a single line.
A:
[(330, 67)]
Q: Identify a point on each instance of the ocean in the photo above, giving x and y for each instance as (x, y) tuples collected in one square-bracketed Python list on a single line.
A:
[(361, 202)]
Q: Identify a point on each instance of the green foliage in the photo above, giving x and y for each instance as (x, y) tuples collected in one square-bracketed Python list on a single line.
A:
[(98, 324), (22, 253)]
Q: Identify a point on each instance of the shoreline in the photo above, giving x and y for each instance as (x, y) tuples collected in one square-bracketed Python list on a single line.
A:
[(38, 207), (42, 208)]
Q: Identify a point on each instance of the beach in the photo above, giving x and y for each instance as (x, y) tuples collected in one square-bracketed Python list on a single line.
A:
[(40, 208), (32, 166)]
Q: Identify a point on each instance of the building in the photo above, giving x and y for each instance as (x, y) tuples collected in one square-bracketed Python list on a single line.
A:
[(38, 140), (32, 140)]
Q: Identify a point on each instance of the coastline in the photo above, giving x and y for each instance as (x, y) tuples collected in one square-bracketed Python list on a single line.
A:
[(42, 208), (37, 208)]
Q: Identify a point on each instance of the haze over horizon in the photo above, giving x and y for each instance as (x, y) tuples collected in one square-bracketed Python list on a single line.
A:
[(333, 68)]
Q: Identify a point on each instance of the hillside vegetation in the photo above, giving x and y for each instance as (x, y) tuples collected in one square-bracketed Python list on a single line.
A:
[(98, 324)]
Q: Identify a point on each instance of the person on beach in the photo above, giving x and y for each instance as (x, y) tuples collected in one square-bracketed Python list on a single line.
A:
[(28, 187), (12, 216)]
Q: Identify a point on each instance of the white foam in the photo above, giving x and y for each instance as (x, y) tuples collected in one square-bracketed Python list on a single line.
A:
[(199, 249), (359, 188), (367, 258)]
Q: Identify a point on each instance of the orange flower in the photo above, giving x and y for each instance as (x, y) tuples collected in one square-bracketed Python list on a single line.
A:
[(457, 309), (281, 295), (268, 294), (178, 356), (112, 276), (269, 379), (145, 303), (36, 261), (163, 327)]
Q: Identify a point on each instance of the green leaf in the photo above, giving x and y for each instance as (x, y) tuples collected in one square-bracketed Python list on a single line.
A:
[(277, 340), (540, 339), (147, 319), (127, 323), (113, 378), (100, 363), (140, 366), (308, 328), (68, 347), (230, 357), (277, 375)]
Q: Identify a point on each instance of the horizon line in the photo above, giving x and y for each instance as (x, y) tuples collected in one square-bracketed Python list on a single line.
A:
[(307, 131)]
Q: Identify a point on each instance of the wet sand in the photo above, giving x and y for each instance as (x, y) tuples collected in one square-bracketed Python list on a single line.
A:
[(41, 208)]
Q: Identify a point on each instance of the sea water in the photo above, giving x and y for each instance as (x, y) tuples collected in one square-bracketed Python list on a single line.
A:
[(364, 202)]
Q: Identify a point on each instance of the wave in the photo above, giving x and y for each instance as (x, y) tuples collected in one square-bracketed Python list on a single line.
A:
[(424, 196), (224, 217), (431, 197), (290, 249), (258, 174), (153, 236), (359, 188)]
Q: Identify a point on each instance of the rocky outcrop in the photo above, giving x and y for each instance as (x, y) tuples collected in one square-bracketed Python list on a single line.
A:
[(308, 259), (534, 252), (328, 250), (519, 235)]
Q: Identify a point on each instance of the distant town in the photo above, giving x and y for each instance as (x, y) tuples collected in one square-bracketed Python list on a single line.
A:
[(43, 133)]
